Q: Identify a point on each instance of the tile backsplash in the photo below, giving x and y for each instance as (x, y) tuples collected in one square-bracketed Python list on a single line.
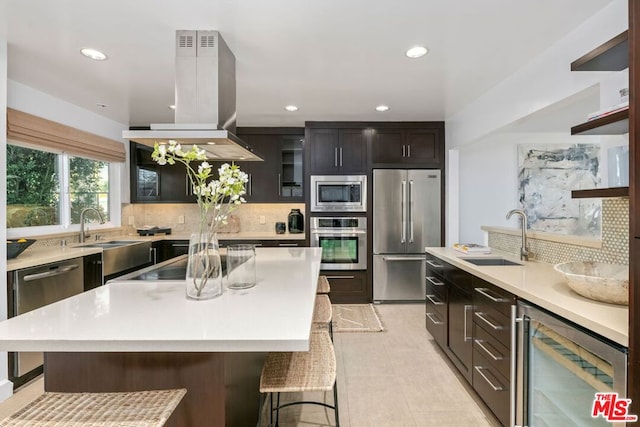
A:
[(614, 248), (171, 214)]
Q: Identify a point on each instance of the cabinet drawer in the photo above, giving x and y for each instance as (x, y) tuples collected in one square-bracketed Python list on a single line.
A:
[(487, 294), (495, 353), (495, 324), (437, 327), (437, 267), (436, 303), (492, 387)]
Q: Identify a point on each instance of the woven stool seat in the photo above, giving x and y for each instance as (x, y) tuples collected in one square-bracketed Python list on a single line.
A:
[(322, 311), (313, 370), (130, 409), (323, 285)]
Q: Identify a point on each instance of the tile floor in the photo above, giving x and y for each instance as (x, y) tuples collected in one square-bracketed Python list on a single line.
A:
[(394, 378), (399, 377)]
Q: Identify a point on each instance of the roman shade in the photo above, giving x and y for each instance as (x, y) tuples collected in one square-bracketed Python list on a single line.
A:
[(45, 133)]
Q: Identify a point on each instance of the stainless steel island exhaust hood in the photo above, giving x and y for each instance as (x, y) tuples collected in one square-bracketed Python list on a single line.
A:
[(205, 113)]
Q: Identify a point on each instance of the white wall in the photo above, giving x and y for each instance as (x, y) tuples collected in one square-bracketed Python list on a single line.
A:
[(487, 160), (6, 387)]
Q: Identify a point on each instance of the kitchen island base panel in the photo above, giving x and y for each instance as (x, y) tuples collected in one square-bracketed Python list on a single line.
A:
[(211, 379)]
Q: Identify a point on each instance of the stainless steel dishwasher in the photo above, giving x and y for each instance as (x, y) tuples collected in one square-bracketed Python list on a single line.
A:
[(36, 287)]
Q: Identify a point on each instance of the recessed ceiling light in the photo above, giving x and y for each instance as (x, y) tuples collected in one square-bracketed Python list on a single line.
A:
[(93, 54), (172, 107), (416, 52), (382, 108), (291, 108), (100, 105)]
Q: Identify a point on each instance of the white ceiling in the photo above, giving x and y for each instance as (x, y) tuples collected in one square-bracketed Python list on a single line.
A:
[(335, 59)]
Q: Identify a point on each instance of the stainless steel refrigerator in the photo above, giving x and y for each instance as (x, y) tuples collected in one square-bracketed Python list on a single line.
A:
[(406, 219)]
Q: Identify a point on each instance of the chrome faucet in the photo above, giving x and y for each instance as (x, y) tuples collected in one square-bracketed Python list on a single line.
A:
[(524, 250), (82, 231)]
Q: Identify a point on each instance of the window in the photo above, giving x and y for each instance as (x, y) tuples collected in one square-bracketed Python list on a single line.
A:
[(51, 189)]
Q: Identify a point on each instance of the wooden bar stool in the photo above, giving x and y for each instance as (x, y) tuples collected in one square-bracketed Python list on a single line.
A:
[(313, 370), (323, 285), (131, 409)]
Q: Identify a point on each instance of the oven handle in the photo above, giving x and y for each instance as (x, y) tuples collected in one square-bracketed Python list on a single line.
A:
[(403, 258), (338, 234)]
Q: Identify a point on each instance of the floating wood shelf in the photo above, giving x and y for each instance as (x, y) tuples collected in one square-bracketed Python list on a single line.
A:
[(612, 55), (613, 124), (600, 192)]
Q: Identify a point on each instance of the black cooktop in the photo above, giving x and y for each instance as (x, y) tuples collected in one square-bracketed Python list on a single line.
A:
[(173, 269)]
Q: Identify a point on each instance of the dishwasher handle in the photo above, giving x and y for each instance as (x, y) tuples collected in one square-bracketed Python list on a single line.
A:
[(51, 273)]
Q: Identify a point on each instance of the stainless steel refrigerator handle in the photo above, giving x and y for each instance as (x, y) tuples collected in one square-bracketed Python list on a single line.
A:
[(335, 157), (408, 150), (403, 148), (466, 310), (403, 258), (403, 234), (513, 362), (411, 211), (340, 156), (50, 273)]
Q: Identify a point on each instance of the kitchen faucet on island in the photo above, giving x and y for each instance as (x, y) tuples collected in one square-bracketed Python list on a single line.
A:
[(82, 230), (524, 250)]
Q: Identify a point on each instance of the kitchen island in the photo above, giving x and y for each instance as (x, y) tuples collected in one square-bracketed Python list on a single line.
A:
[(135, 335)]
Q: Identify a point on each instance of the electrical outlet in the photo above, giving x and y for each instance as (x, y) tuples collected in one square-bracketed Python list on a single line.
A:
[(263, 220), (131, 220), (181, 219)]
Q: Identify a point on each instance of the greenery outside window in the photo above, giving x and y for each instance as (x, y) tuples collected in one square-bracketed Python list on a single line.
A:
[(47, 189)]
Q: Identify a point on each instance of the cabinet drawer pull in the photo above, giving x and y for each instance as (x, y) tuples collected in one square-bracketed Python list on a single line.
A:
[(433, 264), (479, 369), (434, 300), (287, 244), (483, 317), (433, 282), (485, 292), (486, 350), (179, 245), (341, 277), (430, 316)]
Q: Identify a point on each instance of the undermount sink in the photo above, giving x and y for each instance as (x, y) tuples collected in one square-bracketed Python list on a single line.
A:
[(490, 261), (111, 244), (122, 255)]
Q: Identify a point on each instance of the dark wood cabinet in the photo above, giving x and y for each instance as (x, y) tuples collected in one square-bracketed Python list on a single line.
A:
[(337, 150), (347, 287), (92, 270), (280, 177), (153, 183), (402, 147), (470, 319)]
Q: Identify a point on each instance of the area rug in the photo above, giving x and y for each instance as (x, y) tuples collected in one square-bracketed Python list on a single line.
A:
[(356, 318)]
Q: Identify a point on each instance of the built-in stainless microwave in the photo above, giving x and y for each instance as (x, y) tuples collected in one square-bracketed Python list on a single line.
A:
[(338, 193)]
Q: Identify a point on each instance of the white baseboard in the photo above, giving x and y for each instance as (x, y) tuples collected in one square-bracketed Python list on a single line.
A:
[(6, 390)]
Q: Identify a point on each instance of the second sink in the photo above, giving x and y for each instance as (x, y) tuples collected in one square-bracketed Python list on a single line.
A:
[(490, 261)]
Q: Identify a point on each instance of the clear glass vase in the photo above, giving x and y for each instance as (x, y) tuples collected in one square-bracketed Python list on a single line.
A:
[(204, 269)]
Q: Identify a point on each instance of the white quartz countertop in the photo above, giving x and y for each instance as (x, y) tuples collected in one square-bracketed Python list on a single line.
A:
[(44, 255), (154, 316), (539, 283)]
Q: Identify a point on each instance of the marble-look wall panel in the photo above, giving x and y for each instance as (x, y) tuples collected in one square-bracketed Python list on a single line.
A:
[(547, 174)]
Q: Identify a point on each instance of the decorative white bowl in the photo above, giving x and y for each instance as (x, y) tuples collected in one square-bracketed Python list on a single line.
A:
[(597, 281)]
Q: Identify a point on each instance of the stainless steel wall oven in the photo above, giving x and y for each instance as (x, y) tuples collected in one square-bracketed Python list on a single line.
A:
[(343, 241)]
